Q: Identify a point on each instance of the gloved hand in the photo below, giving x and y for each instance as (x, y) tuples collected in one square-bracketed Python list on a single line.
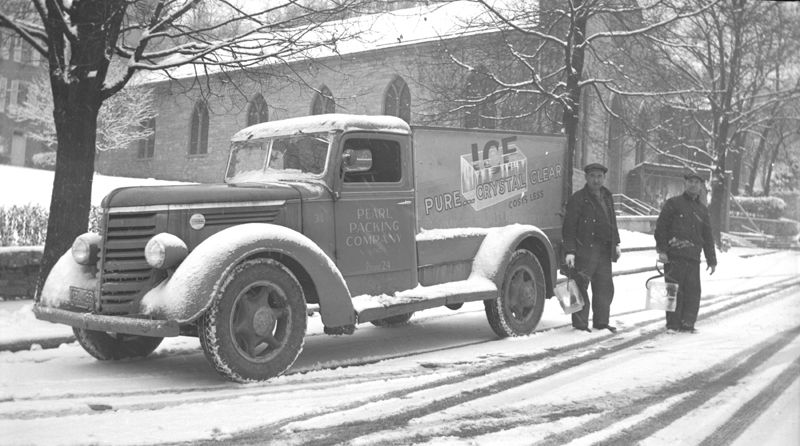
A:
[(662, 257), (570, 260), (712, 268)]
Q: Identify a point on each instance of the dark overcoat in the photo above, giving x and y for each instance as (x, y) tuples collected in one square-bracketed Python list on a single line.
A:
[(683, 229), (586, 224)]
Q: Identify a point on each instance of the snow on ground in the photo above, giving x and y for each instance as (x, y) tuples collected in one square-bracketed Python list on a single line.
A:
[(104, 401), (103, 404), (35, 186)]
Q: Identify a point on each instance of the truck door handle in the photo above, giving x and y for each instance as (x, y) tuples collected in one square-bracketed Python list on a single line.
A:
[(404, 203)]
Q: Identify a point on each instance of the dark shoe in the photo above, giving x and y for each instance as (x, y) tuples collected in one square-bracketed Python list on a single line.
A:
[(691, 330), (610, 328), (582, 329)]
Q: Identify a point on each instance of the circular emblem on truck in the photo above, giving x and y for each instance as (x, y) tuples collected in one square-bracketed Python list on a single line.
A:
[(197, 221)]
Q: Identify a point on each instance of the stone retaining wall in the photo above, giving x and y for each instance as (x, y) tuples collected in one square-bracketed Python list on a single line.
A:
[(19, 267)]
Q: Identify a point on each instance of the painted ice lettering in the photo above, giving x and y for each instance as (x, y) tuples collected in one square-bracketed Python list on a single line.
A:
[(444, 202), (545, 174), (373, 226), (496, 174)]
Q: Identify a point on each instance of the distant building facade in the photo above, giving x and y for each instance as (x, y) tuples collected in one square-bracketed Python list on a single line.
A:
[(19, 65)]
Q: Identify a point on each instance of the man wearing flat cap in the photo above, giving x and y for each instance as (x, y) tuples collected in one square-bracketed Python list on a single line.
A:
[(591, 243), (683, 229)]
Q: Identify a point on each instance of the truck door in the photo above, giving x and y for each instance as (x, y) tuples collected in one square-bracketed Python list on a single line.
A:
[(375, 222)]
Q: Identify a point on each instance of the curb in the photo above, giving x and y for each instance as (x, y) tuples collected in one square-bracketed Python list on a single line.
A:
[(45, 343)]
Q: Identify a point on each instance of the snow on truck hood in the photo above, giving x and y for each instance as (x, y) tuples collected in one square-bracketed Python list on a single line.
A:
[(322, 123), (206, 193)]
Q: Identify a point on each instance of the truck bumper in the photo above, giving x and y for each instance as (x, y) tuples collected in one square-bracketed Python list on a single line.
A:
[(115, 324)]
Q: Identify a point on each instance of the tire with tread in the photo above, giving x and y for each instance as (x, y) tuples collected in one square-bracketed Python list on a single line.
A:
[(518, 308), (256, 324), (114, 346)]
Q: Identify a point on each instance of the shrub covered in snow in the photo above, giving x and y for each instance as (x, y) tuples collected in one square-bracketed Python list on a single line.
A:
[(26, 225), (764, 207)]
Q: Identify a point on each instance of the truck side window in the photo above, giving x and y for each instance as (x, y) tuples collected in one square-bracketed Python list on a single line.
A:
[(386, 161)]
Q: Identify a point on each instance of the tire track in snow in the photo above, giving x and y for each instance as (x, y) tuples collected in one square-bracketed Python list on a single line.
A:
[(582, 352), (705, 385)]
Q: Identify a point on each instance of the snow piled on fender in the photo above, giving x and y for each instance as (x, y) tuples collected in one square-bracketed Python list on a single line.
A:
[(192, 276)]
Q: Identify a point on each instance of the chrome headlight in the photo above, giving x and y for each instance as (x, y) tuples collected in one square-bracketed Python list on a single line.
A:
[(165, 251), (85, 248)]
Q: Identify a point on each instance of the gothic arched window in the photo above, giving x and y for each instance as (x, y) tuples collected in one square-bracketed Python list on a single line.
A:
[(482, 111), (397, 100), (198, 141), (323, 102), (257, 110)]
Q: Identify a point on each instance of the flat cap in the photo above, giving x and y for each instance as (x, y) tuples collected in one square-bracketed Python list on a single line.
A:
[(692, 174), (595, 166)]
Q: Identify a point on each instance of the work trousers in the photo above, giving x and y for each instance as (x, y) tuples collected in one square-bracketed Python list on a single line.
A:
[(595, 268), (686, 273)]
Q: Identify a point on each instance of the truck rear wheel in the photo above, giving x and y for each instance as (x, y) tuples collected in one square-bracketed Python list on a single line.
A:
[(112, 346), (255, 327), (393, 321), (518, 308)]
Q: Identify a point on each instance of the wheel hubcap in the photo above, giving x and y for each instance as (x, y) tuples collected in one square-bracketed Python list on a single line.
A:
[(263, 321), (260, 321), (522, 294)]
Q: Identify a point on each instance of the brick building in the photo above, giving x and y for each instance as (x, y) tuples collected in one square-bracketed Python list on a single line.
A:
[(18, 65), (405, 71), (401, 68)]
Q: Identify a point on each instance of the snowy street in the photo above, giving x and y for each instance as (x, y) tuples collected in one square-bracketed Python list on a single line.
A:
[(446, 379)]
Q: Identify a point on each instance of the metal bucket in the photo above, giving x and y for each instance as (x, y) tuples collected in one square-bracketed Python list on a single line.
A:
[(662, 296), (569, 296)]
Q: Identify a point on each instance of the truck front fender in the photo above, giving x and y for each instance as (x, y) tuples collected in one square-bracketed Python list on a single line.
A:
[(495, 252), (189, 291)]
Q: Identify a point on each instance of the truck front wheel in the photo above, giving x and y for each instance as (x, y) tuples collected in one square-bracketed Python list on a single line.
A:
[(518, 308), (112, 346), (255, 327)]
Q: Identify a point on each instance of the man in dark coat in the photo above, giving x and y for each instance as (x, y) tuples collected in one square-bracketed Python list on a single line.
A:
[(591, 243), (683, 229)]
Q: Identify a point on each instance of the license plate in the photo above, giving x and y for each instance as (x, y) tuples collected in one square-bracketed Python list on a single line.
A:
[(81, 298)]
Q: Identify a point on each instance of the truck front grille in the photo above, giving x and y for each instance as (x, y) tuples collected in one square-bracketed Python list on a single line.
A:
[(125, 273)]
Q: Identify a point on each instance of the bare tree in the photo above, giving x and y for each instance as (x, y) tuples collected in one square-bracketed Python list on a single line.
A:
[(119, 121), (80, 39), (551, 43), (728, 71)]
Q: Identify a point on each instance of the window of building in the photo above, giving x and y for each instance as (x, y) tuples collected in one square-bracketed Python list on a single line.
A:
[(257, 111), (18, 50), (3, 93), (482, 110), (198, 143), (5, 41), (147, 146), (323, 102), (36, 58), (397, 100), (13, 95)]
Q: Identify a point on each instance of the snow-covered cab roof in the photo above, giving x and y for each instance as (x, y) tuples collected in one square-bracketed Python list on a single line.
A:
[(321, 124)]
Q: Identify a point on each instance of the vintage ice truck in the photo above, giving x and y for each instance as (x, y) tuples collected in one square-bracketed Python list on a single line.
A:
[(356, 218)]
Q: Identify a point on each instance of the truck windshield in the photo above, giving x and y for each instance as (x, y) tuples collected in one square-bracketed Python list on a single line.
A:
[(280, 158)]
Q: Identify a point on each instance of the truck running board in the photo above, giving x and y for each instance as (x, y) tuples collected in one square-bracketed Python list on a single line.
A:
[(370, 308)]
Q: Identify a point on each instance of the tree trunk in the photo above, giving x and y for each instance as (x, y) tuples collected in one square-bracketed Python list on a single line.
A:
[(762, 143), (574, 59), (75, 112), (768, 177)]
